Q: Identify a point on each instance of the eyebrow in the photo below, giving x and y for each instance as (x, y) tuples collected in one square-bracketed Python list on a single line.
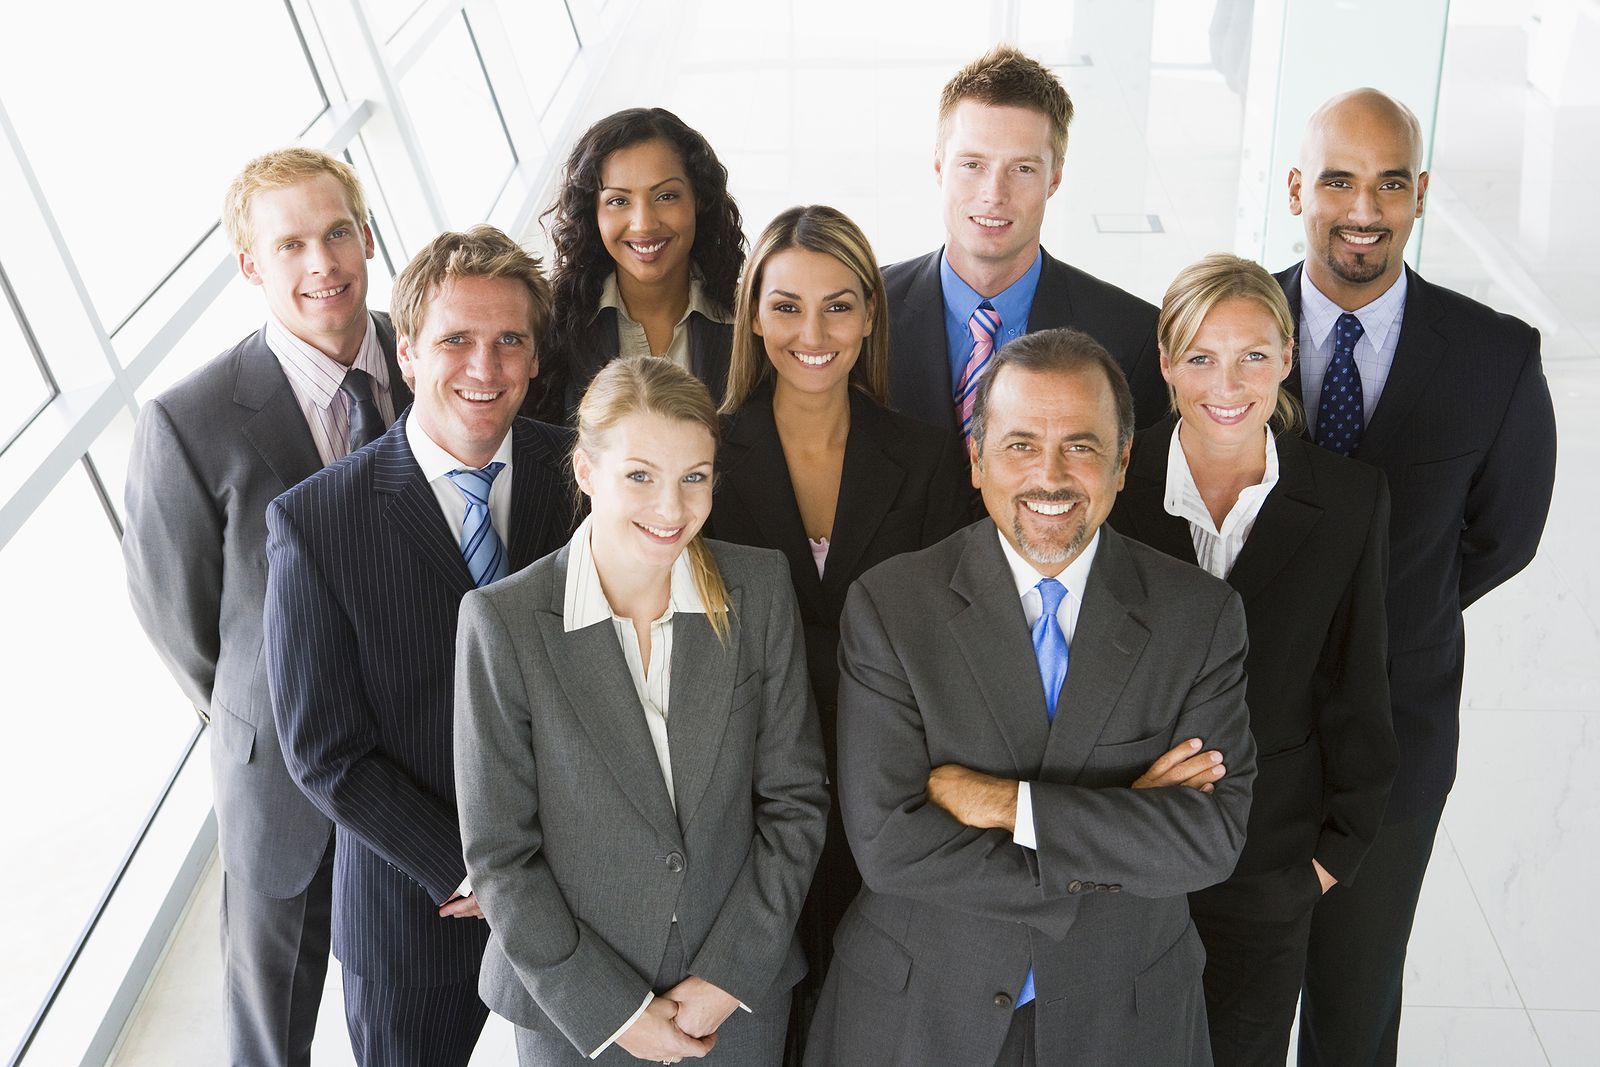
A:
[(653, 188), (1392, 172), (298, 236), (847, 291)]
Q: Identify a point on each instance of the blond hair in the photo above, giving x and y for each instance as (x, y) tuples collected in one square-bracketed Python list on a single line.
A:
[(1198, 289), (817, 228), (481, 252), (1004, 77), (278, 170), (657, 386)]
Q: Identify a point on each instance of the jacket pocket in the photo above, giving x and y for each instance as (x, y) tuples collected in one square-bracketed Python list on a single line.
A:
[(872, 953), (237, 736)]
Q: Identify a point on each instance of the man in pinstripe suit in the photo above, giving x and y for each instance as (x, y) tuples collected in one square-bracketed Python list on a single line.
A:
[(367, 564)]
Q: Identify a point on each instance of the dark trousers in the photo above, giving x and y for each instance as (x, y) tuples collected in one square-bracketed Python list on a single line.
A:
[(1255, 929), (412, 1026), (274, 966), (1018, 1049), (1350, 1007)]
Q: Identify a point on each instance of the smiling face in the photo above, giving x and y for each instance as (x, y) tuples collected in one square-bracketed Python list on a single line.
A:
[(995, 172), (1050, 467), (1359, 191), (469, 364), (649, 488), (646, 213), (812, 317), (309, 255), (1225, 383)]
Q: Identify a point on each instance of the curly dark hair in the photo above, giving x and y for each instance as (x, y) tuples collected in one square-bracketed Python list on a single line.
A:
[(581, 263)]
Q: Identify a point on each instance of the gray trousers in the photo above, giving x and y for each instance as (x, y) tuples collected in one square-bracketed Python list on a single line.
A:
[(748, 1039), (274, 964)]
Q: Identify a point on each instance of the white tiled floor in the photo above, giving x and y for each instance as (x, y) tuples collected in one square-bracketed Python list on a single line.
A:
[(1502, 967)]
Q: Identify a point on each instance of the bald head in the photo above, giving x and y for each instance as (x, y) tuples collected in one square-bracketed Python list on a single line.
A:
[(1359, 189), (1363, 112)]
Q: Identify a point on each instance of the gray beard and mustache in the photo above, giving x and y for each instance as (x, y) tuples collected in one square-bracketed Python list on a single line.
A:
[(1039, 553)]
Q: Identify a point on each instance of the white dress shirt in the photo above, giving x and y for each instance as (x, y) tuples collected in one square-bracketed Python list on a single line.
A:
[(1075, 576), (436, 465), (1216, 550), (631, 339), (585, 604), (1374, 353), (314, 378)]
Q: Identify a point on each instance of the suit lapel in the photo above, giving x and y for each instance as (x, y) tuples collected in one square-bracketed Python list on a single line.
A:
[(1288, 515), (589, 666), (278, 429), (1052, 301), (535, 492), (701, 700), (992, 634), (414, 510), (1290, 281), (758, 476), (399, 392), (1142, 506), (921, 369), (1106, 648), (868, 485), (1420, 351)]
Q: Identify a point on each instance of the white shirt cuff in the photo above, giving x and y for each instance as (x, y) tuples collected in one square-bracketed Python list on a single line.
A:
[(648, 997), (465, 888), (1024, 834)]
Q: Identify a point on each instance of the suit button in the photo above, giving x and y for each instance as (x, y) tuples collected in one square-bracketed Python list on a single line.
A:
[(675, 862), (1101, 888), (1114, 887), (1074, 886), (1002, 1000)]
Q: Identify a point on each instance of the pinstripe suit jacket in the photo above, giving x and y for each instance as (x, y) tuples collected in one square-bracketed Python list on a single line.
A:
[(364, 584)]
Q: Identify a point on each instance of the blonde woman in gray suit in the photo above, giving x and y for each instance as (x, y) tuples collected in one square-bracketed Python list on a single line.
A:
[(638, 760)]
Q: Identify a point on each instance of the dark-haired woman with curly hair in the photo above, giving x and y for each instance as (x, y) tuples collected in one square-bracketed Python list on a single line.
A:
[(647, 251)]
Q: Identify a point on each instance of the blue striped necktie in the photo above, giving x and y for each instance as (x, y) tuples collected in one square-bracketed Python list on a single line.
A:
[(480, 545), (1050, 649), (1339, 410)]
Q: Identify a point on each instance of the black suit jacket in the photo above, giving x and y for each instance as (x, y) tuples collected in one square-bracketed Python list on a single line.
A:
[(567, 372), (919, 364), (364, 584), (1466, 434), (904, 486), (1312, 578)]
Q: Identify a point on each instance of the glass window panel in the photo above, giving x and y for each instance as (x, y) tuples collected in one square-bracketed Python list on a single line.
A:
[(389, 15), (94, 726), (26, 390), (544, 42), (117, 153), (447, 94)]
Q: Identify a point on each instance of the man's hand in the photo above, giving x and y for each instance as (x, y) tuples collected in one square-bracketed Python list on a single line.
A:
[(702, 1007), (461, 908), (655, 1037), (975, 799), (1328, 881), (1184, 765)]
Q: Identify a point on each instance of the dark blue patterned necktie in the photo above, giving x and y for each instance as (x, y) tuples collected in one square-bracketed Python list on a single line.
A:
[(1339, 414), (480, 545)]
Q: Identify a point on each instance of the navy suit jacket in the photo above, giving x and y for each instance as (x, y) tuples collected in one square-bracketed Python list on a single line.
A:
[(1466, 434), (364, 585), (919, 361)]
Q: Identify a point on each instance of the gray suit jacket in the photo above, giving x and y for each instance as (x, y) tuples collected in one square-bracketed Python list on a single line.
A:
[(209, 454), (937, 667), (571, 841)]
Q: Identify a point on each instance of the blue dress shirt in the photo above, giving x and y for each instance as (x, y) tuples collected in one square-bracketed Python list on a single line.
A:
[(1014, 305)]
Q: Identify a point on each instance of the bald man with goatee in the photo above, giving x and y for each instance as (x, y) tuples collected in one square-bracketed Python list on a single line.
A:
[(1447, 398)]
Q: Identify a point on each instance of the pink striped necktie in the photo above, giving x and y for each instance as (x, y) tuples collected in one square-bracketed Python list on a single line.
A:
[(984, 326)]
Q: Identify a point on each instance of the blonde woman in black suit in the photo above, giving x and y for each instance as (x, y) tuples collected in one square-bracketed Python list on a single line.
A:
[(638, 764), (814, 464), (1302, 535)]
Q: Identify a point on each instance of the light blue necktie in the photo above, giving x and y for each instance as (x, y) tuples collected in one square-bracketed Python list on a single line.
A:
[(480, 545), (1050, 649), (1339, 409)]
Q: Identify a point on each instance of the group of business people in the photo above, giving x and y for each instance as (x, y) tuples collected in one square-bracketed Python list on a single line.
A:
[(776, 659)]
